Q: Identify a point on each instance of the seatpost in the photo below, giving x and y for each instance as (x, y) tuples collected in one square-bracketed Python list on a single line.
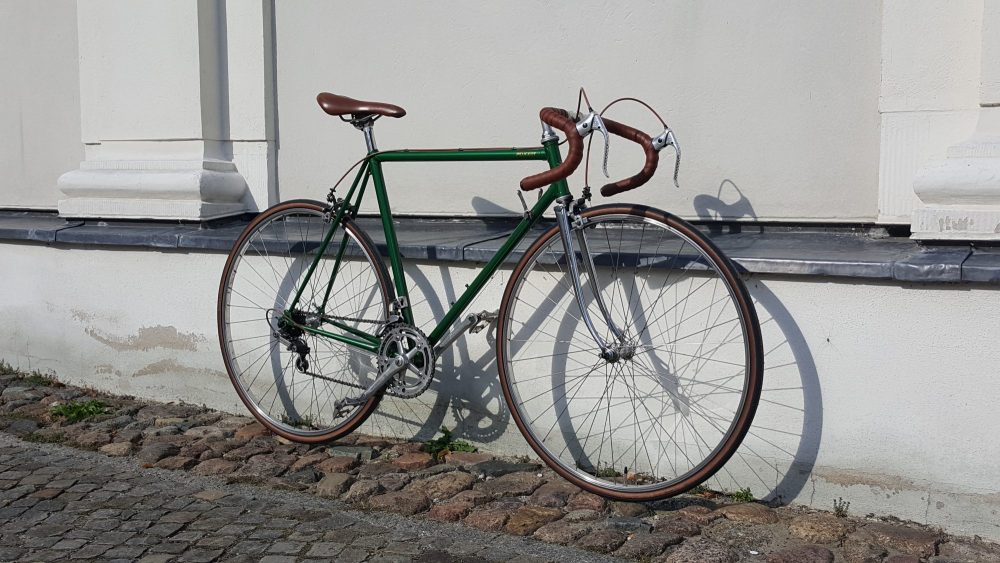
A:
[(365, 124), (369, 137)]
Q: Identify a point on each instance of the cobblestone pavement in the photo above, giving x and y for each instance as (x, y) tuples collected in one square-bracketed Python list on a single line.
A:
[(175, 481), (60, 503)]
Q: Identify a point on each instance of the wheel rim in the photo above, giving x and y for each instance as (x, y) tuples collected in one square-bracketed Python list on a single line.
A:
[(261, 278), (665, 418)]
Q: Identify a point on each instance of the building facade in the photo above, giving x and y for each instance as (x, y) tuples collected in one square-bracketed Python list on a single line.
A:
[(848, 154)]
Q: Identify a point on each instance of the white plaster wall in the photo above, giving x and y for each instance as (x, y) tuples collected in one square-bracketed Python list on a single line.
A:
[(40, 89), (880, 393), (929, 96), (775, 103)]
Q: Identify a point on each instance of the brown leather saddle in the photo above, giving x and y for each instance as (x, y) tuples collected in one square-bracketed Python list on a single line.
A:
[(358, 109)]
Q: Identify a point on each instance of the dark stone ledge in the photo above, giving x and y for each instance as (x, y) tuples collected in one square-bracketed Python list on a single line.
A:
[(809, 251)]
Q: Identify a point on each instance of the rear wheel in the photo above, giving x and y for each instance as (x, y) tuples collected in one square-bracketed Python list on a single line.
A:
[(289, 378), (673, 406)]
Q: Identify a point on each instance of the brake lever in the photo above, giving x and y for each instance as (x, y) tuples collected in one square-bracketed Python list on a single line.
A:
[(666, 139), (591, 123)]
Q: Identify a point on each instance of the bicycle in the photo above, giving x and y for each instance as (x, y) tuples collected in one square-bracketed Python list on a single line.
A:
[(628, 348)]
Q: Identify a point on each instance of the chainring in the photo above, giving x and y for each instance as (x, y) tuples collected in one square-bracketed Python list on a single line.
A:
[(399, 339)]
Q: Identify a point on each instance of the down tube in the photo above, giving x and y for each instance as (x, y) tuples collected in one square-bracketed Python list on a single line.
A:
[(547, 199)]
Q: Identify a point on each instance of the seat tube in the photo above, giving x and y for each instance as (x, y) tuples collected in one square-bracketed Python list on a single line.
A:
[(391, 243)]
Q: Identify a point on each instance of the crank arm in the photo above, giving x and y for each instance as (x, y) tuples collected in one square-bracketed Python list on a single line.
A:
[(398, 364)]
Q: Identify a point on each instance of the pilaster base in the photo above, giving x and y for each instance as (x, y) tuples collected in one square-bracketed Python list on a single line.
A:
[(176, 190), (956, 223)]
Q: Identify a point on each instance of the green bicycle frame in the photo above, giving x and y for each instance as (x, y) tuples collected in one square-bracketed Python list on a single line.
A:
[(372, 170)]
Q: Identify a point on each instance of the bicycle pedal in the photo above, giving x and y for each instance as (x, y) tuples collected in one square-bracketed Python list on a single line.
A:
[(486, 318)]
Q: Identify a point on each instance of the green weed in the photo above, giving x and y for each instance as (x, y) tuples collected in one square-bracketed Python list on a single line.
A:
[(742, 495), (840, 507), (439, 447), (75, 412)]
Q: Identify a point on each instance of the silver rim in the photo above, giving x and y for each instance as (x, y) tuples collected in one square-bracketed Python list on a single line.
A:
[(655, 420), (262, 280)]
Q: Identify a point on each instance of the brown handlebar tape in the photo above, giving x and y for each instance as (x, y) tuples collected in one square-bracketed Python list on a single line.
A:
[(559, 119), (652, 158)]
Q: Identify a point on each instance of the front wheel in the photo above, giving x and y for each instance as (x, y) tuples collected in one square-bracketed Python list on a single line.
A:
[(666, 411)]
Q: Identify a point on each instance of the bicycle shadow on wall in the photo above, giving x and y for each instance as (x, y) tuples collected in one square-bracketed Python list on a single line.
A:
[(780, 450), (463, 385), (715, 208)]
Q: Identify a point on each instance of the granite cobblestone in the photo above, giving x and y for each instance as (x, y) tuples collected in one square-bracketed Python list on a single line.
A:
[(182, 483)]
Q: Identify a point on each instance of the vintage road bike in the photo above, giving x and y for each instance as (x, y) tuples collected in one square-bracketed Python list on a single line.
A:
[(628, 348)]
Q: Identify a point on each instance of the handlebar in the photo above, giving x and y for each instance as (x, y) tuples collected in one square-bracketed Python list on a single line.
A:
[(652, 158), (560, 119)]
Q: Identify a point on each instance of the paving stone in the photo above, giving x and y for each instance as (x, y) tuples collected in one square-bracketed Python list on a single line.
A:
[(699, 550), (252, 430), (407, 503), (450, 511), (525, 520), (89, 551), (488, 518), (248, 451), (859, 547), (177, 462), (466, 459), (750, 513), (582, 515), (260, 467), (394, 481), (93, 439), (586, 501), (200, 555), (602, 541), (911, 541), (361, 491), (511, 484), (215, 467), (819, 528), (154, 452), (21, 427), (630, 509), (679, 526), (645, 546), (497, 468), (286, 547), (360, 452), (413, 461), (377, 469), (900, 559), (443, 486), (334, 484), (803, 554), (563, 532), (308, 460), (972, 550), (698, 514), (336, 464), (305, 476), (555, 494), (325, 549)]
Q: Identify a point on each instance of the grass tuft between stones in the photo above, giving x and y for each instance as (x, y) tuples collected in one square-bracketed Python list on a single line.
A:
[(80, 410), (439, 447)]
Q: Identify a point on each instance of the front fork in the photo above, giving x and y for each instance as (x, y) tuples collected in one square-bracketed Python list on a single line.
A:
[(610, 352)]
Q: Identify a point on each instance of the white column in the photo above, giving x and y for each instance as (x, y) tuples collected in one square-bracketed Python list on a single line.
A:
[(960, 195), (157, 104)]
